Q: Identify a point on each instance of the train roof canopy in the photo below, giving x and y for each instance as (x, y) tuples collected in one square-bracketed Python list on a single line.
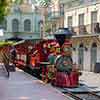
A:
[(61, 34), (14, 39), (64, 31)]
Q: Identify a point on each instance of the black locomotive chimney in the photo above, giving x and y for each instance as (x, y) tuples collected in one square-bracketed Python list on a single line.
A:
[(61, 34)]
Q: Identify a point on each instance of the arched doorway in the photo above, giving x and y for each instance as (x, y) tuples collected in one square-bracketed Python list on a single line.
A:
[(93, 56), (27, 25), (81, 56), (15, 25), (5, 24)]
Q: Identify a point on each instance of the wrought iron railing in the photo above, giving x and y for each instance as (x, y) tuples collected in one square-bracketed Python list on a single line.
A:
[(55, 14), (86, 29), (76, 3)]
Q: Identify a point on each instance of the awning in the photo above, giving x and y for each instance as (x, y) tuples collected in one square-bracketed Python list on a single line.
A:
[(14, 39), (86, 35), (30, 36)]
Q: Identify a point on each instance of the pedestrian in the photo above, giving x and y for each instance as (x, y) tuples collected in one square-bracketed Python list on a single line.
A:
[(97, 28), (13, 55)]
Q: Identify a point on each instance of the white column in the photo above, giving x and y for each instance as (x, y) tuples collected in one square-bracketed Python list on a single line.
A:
[(75, 56), (87, 58), (98, 14), (65, 20)]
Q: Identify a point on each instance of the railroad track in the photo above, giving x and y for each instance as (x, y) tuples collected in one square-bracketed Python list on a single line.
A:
[(83, 96)]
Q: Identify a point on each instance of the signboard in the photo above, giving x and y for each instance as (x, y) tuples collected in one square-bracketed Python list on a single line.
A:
[(1, 32)]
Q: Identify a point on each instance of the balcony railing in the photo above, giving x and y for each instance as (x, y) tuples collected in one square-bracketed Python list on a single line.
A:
[(75, 3), (82, 29), (55, 14), (87, 29)]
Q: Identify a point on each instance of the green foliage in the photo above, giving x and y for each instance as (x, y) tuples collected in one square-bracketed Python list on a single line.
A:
[(4, 8), (47, 27)]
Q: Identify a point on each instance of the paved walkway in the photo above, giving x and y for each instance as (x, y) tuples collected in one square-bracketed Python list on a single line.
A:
[(90, 81), (90, 78), (22, 86)]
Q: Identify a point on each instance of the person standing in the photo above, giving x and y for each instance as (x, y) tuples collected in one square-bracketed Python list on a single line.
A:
[(97, 28), (13, 55)]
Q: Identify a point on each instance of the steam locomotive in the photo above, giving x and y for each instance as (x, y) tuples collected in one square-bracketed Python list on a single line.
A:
[(51, 60)]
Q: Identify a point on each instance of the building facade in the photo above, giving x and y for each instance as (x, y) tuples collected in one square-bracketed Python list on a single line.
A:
[(55, 15), (23, 21), (83, 18)]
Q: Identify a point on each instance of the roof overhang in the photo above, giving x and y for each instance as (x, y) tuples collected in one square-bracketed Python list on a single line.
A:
[(85, 36)]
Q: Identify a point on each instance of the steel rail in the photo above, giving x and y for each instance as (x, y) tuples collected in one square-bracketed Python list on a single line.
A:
[(94, 94), (89, 94), (72, 95)]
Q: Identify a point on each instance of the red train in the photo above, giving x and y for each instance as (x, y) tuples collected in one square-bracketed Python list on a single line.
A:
[(51, 60)]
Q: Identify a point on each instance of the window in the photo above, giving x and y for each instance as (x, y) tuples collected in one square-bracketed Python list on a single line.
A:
[(82, 28), (15, 25), (49, 11), (69, 21), (81, 19), (26, 1), (27, 25), (86, 1), (93, 20), (62, 9), (5, 24), (16, 10), (54, 27)]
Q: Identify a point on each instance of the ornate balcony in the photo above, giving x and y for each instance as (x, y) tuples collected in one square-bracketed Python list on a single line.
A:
[(87, 29), (76, 3), (82, 29), (55, 14)]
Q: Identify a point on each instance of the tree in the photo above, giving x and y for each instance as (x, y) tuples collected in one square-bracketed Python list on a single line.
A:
[(4, 8), (47, 26)]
